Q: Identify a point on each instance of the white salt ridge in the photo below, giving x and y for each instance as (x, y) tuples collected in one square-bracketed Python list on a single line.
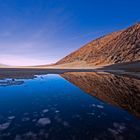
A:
[(119, 127), (11, 117), (57, 111), (45, 110), (44, 121), (4, 126), (100, 106)]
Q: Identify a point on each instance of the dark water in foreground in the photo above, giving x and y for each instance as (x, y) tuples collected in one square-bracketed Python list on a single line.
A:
[(52, 108)]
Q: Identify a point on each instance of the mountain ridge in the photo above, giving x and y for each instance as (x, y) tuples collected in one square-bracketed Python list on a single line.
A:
[(117, 47)]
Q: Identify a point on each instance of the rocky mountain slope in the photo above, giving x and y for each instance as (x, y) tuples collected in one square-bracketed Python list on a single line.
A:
[(117, 47)]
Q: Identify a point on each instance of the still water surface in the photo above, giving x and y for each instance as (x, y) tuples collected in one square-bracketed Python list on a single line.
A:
[(71, 106)]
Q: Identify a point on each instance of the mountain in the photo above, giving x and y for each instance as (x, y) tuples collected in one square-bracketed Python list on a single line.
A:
[(118, 47), (3, 65)]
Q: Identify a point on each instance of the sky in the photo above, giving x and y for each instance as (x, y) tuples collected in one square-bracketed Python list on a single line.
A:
[(36, 32)]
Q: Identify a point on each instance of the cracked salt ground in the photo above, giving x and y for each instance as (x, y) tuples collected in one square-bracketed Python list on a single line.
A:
[(98, 106)]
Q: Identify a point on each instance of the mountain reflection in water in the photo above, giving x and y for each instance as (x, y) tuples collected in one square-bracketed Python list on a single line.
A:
[(116, 90)]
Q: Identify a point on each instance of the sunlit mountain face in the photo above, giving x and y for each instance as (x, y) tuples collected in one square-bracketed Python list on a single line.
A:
[(73, 105), (115, 48)]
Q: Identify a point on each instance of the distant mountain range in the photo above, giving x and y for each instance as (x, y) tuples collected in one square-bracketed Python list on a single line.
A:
[(118, 47), (3, 65)]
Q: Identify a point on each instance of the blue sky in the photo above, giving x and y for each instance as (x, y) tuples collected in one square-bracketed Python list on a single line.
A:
[(43, 31)]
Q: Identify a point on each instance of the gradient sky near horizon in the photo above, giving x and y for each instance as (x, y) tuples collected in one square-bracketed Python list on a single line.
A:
[(34, 32)]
